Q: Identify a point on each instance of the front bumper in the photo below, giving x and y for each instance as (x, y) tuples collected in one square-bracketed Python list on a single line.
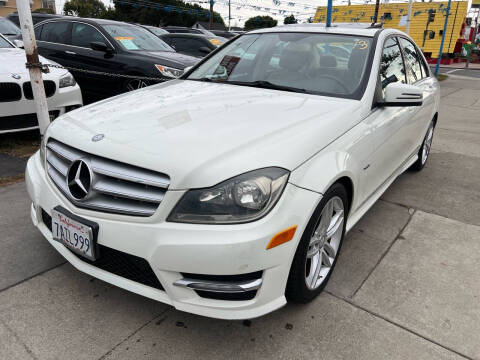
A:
[(174, 249), (12, 114)]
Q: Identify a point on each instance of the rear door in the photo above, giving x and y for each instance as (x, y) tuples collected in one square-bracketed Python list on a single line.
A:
[(418, 74), (53, 40)]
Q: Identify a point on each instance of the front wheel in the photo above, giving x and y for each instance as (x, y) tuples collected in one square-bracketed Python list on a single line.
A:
[(134, 84), (319, 247), (424, 151)]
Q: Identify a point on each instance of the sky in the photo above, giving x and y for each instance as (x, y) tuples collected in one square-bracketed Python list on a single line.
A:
[(241, 10)]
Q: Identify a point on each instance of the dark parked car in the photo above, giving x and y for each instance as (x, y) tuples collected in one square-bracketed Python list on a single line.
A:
[(192, 44), (36, 17), (186, 30), (108, 46), (9, 29), (225, 34), (154, 30)]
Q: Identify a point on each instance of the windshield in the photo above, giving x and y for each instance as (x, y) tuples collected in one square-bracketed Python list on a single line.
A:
[(326, 64), (8, 28), (4, 44), (135, 38)]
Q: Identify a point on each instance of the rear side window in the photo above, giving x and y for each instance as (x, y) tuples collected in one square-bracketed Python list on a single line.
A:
[(83, 35), (38, 32), (392, 69), (56, 32), (412, 61)]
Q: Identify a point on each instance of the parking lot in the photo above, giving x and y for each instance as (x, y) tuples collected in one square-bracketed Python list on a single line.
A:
[(407, 285)]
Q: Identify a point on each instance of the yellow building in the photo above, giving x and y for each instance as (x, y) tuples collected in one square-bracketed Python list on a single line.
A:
[(394, 15), (9, 6)]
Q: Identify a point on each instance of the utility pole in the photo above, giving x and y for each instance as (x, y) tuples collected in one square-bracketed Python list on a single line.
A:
[(31, 51), (329, 13), (210, 25), (229, 15), (375, 15), (409, 16), (443, 38)]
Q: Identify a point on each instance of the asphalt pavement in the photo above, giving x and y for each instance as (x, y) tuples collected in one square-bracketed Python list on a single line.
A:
[(406, 285)]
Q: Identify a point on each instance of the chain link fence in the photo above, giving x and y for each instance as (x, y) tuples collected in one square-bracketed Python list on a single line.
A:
[(45, 69)]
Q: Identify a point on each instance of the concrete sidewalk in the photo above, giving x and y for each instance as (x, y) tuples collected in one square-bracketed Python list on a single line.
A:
[(407, 285)]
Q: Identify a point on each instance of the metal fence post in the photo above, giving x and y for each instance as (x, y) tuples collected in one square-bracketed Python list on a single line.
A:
[(31, 51), (443, 38)]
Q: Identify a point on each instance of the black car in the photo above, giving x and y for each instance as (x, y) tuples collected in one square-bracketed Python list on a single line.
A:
[(154, 30), (186, 30), (192, 44), (108, 46), (9, 29), (36, 17), (223, 33)]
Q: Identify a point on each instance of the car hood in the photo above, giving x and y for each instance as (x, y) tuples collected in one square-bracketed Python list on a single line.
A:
[(13, 62), (171, 56), (202, 133)]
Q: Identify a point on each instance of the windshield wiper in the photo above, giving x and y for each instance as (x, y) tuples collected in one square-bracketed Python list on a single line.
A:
[(266, 85)]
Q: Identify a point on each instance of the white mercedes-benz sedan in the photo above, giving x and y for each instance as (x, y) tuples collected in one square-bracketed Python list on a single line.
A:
[(17, 108), (228, 191)]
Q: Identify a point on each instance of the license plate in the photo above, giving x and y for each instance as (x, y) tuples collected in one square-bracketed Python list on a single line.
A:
[(74, 233)]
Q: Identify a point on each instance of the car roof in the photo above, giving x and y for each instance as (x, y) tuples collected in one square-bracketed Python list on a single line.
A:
[(191, 35), (360, 29), (87, 20)]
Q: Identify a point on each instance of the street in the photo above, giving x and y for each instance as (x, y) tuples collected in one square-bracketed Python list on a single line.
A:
[(406, 285)]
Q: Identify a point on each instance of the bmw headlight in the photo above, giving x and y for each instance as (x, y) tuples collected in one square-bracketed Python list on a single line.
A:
[(244, 198), (169, 71), (67, 80)]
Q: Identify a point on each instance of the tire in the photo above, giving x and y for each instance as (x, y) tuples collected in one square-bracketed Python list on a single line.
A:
[(424, 151), (317, 247)]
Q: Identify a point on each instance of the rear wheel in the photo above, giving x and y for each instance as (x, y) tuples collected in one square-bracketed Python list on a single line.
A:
[(424, 151), (319, 247)]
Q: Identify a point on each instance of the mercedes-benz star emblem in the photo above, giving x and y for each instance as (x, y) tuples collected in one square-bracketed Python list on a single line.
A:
[(79, 179), (98, 137), (16, 76)]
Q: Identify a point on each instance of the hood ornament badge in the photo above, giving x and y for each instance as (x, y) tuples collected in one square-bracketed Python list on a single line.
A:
[(16, 76), (98, 137)]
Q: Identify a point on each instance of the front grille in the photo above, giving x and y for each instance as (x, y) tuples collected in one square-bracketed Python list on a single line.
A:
[(22, 121), (49, 86), (128, 266), (10, 91), (116, 187)]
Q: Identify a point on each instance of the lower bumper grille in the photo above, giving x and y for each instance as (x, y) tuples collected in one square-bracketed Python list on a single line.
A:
[(223, 287), (22, 121), (128, 266)]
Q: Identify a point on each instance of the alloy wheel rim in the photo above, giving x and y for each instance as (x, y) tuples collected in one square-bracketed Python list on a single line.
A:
[(427, 144), (136, 84), (324, 243)]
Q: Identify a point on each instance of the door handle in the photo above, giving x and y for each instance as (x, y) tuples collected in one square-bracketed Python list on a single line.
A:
[(70, 52)]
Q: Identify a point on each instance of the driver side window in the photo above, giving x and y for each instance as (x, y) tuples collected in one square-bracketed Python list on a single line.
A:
[(392, 68)]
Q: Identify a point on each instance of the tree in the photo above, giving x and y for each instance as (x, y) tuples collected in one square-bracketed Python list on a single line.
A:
[(259, 22), (84, 8), (290, 20)]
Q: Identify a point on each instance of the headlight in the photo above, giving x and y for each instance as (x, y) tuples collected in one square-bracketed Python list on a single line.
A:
[(244, 198), (169, 71), (67, 80)]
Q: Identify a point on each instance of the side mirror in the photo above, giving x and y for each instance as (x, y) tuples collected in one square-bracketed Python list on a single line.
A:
[(100, 46), (18, 43), (204, 50), (398, 94)]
